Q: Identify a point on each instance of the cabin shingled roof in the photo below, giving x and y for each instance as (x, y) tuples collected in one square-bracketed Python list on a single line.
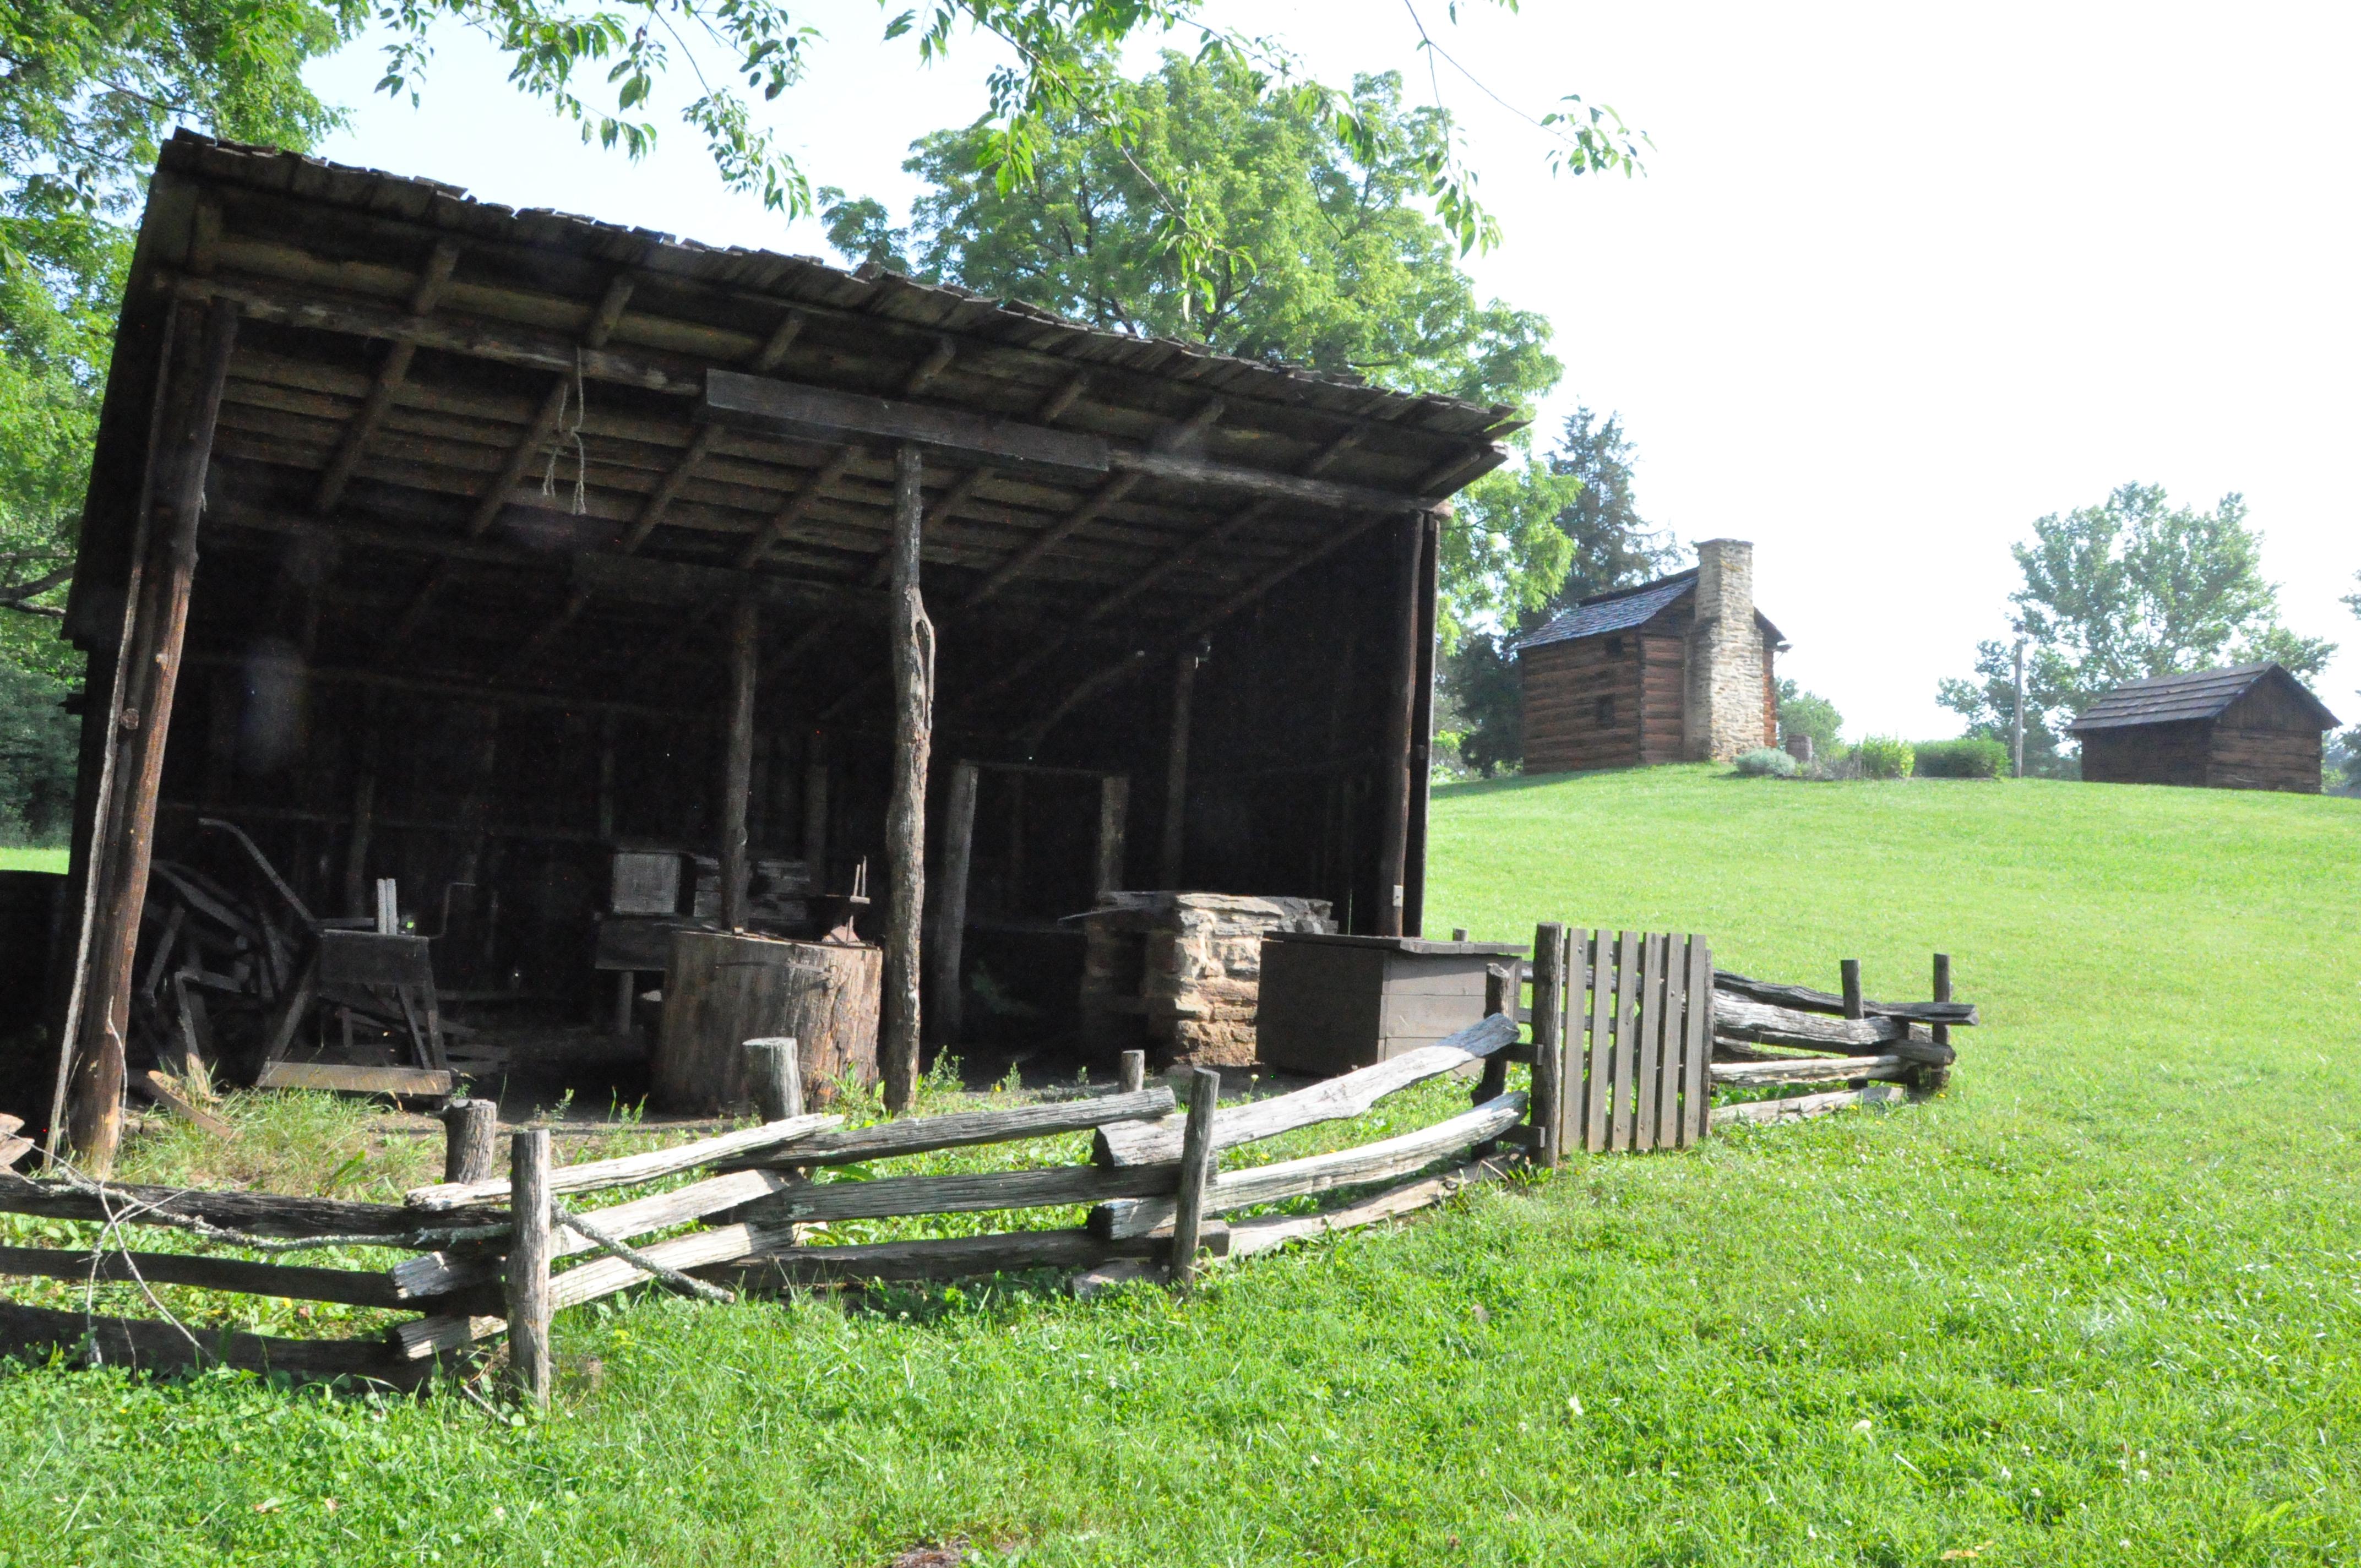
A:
[(2177, 700), (1617, 611), (1622, 609)]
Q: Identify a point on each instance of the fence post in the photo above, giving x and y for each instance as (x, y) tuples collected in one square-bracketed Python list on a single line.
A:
[(470, 1128), (776, 1076), (1131, 1072), (1928, 1080), (1196, 1169), (1549, 1039), (1500, 995), (528, 1264), (1851, 970)]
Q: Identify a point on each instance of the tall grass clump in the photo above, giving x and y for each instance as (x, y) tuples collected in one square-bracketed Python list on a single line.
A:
[(1978, 758), (1883, 757)]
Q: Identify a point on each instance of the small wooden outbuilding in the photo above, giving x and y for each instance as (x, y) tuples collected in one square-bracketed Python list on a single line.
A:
[(494, 551), (1676, 670), (2249, 727)]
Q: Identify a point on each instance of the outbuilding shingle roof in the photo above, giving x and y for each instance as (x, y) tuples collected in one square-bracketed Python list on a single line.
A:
[(1617, 611), (2175, 699)]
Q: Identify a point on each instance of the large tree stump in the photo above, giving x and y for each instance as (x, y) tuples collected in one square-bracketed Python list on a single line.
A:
[(724, 989)]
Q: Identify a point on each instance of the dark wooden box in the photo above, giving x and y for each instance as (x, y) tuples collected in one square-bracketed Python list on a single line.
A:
[(1329, 1003)]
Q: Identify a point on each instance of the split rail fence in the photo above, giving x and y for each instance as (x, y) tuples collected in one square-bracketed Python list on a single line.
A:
[(1632, 1033)]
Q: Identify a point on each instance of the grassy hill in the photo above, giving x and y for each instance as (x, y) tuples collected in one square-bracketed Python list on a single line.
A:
[(2096, 1305)]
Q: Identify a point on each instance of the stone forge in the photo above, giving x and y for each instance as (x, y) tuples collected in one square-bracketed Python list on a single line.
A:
[(1179, 974)]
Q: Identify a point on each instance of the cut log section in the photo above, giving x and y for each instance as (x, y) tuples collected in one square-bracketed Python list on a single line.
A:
[(724, 989)]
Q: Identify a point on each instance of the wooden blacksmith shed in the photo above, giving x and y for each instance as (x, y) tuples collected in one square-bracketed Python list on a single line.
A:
[(1676, 670), (469, 548), (2249, 727)]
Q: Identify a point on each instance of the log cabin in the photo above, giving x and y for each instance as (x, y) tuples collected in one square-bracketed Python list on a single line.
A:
[(1678, 669), (511, 577), (2249, 727)]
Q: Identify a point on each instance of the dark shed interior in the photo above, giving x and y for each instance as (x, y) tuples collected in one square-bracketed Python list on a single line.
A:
[(486, 526)]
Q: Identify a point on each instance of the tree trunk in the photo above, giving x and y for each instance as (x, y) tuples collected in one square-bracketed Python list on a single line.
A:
[(158, 608), (913, 654)]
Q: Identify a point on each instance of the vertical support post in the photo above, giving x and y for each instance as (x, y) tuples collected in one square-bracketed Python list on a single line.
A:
[(626, 982), (1929, 1079), (1114, 807), (357, 842), (528, 1264), (1196, 1169), (815, 840), (1131, 1072), (1394, 753), (1850, 969), (944, 1007), (913, 654), (1549, 1040), (157, 611), (738, 767), (1422, 728), (470, 1134), (1500, 988), (1174, 850), (606, 778), (775, 1072)]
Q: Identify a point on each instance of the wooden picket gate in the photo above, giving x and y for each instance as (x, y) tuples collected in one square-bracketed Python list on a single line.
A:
[(1623, 1040)]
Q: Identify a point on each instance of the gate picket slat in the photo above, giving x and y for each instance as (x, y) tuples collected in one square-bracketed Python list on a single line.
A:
[(1697, 1050), (1596, 1099), (1651, 1030), (1672, 1071), (1626, 1035)]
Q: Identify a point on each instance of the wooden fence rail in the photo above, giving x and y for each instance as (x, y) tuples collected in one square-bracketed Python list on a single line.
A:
[(1632, 1033)]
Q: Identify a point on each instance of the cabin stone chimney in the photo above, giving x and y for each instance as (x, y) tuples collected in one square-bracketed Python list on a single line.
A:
[(1725, 698)]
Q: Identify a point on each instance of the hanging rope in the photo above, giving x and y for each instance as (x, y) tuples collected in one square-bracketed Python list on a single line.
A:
[(562, 433)]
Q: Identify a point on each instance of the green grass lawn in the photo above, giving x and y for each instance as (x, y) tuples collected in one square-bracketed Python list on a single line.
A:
[(2096, 1305), (20, 859)]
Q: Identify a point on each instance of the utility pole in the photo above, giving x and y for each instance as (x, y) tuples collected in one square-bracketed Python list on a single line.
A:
[(2016, 716)]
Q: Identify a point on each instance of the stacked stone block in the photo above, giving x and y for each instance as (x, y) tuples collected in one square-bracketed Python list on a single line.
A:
[(1178, 974)]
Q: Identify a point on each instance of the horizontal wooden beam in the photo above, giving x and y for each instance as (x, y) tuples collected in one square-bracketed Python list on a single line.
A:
[(817, 413), (786, 408)]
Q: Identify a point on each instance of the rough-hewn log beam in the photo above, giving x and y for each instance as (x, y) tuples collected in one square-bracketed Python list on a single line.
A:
[(391, 373), (912, 651), (156, 623)]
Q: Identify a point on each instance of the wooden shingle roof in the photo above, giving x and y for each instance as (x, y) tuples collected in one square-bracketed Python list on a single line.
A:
[(2198, 695), (523, 440)]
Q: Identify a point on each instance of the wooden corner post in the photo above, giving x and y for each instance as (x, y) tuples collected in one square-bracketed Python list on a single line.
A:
[(1549, 1040), (156, 620), (470, 1131), (1196, 1170), (1394, 756), (913, 654), (774, 1071), (738, 764), (1929, 1079), (530, 1250)]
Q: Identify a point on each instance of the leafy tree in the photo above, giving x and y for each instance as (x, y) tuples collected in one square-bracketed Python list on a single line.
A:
[(2342, 763), (1318, 251), (2126, 589), (1061, 79), (36, 757), (1321, 255), (87, 90), (1805, 713), (1608, 546)]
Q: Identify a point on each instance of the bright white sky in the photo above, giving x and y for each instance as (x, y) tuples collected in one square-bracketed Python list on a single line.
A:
[(1897, 282)]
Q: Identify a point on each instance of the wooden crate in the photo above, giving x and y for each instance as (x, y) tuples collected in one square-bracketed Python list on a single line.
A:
[(1330, 1003)]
